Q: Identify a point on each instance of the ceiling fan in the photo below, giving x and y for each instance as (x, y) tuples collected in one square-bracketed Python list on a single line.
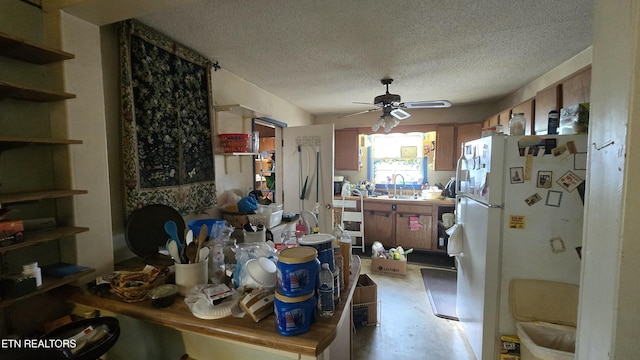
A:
[(392, 107)]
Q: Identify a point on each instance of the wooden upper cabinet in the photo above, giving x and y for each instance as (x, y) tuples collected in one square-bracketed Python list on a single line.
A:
[(346, 150), (492, 121), (445, 148), (467, 132), (527, 108), (503, 119), (577, 88), (546, 100)]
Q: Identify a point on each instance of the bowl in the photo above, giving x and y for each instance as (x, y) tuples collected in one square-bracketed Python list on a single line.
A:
[(261, 272), (163, 295), (426, 194)]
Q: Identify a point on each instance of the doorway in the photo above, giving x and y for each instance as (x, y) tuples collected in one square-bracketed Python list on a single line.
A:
[(265, 170)]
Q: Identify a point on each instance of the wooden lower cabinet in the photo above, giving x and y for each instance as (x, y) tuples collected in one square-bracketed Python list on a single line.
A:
[(393, 224), (414, 226), (378, 224)]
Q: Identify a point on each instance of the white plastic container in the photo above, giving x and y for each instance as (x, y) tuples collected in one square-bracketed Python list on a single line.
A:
[(533, 300), (546, 341), (33, 270)]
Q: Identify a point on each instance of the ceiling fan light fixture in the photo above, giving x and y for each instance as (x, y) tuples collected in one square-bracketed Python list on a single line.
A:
[(432, 104), (399, 114)]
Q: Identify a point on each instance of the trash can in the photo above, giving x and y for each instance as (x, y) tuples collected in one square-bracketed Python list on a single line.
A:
[(106, 331), (546, 314)]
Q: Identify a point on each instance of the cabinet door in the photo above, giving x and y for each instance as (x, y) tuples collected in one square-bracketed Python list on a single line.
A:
[(445, 148), (527, 109), (492, 121), (467, 132), (503, 119), (346, 145), (378, 226), (546, 100), (414, 226), (577, 88), (414, 231)]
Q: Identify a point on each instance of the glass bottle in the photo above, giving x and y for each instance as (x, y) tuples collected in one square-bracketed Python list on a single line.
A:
[(517, 124)]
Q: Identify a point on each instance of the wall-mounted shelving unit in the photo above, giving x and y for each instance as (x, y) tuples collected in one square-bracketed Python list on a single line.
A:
[(246, 114), (32, 53)]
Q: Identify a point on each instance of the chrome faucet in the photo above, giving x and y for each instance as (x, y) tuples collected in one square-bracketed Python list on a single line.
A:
[(395, 182)]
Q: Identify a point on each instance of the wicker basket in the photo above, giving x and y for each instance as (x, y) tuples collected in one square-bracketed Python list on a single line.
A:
[(235, 219), (135, 286)]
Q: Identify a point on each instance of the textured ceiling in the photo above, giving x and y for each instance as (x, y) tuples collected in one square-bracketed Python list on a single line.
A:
[(324, 55)]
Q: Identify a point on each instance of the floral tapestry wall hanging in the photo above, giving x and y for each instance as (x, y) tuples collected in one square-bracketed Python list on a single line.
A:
[(167, 148)]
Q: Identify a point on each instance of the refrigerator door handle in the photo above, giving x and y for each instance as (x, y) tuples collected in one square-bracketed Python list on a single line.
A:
[(458, 170), (488, 206)]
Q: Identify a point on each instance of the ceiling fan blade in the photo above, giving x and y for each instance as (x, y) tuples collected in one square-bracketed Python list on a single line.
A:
[(431, 104), (399, 114), (358, 113)]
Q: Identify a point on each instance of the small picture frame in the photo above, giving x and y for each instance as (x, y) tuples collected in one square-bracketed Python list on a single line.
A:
[(569, 181), (544, 179), (408, 151), (517, 175), (554, 198)]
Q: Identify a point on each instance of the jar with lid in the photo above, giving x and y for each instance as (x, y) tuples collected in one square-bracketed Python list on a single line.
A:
[(517, 124)]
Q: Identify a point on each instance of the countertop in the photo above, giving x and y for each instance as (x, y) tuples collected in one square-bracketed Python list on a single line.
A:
[(440, 202), (264, 333)]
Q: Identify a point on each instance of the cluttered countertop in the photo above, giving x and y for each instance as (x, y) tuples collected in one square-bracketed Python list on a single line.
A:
[(241, 329)]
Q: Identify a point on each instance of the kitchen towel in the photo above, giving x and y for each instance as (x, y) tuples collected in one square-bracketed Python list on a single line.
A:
[(454, 247)]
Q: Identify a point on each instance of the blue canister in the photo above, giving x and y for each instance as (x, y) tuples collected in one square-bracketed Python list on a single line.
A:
[(297, 271), (323, 243), (294, 315)]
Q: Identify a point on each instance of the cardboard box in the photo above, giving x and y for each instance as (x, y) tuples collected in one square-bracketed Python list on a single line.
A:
[(11, 232), (509, 347), (366, 290), (365, 301), (509, 357), (389, 266)]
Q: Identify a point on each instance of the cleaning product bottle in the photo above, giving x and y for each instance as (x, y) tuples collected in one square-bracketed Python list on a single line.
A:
[(326, 306)]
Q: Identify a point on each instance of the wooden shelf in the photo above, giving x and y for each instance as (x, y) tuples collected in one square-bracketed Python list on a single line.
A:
[(44, 236), (48, 283), (25, 50), (7, 143), (240, 110), (21, 92), (38, 195)]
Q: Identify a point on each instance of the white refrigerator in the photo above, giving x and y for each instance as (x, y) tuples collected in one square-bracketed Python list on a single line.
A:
[(520, 206)]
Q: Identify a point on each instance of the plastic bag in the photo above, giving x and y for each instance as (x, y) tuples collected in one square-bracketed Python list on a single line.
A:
[(247, 204), (213, 301), (247, 251)]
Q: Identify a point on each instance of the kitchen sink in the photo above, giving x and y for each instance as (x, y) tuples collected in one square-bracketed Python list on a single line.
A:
[(398, 197)]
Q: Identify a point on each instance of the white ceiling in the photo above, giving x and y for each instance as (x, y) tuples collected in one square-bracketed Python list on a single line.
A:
[(324, 55)]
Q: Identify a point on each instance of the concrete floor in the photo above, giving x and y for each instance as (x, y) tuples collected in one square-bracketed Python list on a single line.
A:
[(407, 328)]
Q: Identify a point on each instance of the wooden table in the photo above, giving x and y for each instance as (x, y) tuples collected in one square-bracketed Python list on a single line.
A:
[(326, 337)]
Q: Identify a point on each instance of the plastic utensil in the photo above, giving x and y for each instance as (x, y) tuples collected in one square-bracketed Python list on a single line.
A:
[(172, 229), (172, 247), (189, 237), (203, 254)]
